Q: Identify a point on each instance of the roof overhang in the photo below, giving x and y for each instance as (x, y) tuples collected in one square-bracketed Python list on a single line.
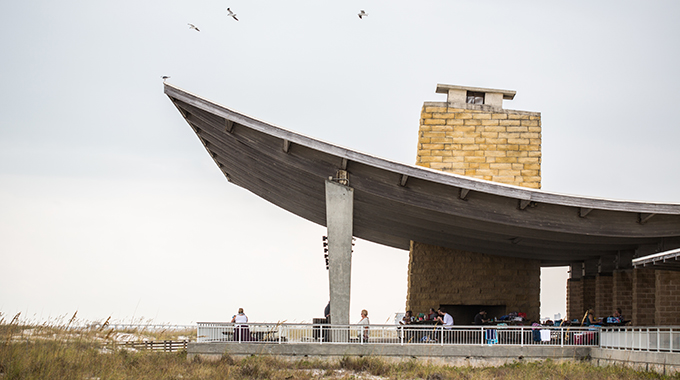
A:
[(396, 203), (668, 260)]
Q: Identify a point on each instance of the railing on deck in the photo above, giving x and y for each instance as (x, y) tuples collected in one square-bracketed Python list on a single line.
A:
[(392, 334), (658, 339)]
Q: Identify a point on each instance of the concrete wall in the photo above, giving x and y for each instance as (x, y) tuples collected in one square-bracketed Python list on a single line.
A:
[(443, 276), (467, 355), (662, 363)]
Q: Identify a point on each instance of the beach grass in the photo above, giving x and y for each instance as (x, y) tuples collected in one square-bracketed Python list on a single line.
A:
[(62, 351)]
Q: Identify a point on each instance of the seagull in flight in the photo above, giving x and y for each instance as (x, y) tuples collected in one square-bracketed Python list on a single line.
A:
[(231, 14), (362, 14), (192, 26)]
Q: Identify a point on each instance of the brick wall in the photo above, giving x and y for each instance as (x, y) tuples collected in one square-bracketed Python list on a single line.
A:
[(443, 276), (622, 292), (644, 297), (485, 142), (603, 295), (589, 287), (667, 301), (581, 296), (489, 143), (575, 305)]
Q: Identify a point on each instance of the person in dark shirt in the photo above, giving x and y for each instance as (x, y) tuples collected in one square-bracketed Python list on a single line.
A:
[(480, 318), (432, 315)]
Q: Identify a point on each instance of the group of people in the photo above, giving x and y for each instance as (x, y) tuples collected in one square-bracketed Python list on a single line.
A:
[(615, 319), (439, 316)]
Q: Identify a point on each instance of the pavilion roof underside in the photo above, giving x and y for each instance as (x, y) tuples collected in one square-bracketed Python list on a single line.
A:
[(396, 203)]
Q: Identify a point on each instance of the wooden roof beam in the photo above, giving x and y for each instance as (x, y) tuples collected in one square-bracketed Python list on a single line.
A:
[(644, 218)]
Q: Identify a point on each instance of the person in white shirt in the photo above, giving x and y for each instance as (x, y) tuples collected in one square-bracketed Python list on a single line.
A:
[(444, 318), (364, 321), (447, 320), (241, 330)]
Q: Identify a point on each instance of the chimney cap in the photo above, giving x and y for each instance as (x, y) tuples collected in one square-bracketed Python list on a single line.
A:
[(444, 89)]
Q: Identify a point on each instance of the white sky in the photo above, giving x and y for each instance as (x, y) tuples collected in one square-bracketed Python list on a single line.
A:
[(110, 206)]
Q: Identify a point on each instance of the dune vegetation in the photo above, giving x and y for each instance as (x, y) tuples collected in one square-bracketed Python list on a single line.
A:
[(70, 350)]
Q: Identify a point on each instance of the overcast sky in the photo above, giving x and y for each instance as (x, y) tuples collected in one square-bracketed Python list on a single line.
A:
[(110, 206)]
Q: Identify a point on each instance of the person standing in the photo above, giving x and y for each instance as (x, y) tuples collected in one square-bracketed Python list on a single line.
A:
[(327, 312), (364, 322), (241, 329), (447, 321)]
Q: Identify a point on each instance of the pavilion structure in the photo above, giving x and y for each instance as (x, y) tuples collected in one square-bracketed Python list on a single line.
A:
[(470, 212)]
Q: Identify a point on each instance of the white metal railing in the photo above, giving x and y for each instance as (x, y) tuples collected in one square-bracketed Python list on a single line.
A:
[(393, 334), (659, 339)]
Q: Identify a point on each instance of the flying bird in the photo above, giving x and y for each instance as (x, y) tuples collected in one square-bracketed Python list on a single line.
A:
[(231, 14), (362, 14), (192, 26)]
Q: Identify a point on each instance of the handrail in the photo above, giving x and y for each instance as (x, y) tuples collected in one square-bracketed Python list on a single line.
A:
[(292, 333), (651, 339)]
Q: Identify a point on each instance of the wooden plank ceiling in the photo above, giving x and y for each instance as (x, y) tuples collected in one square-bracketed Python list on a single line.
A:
[(395, 203)]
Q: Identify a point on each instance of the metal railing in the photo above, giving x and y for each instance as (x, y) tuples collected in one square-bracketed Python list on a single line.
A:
[(658, 339), (394, 334)]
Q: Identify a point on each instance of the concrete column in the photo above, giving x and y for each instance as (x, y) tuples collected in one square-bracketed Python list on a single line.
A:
[(339, 217)]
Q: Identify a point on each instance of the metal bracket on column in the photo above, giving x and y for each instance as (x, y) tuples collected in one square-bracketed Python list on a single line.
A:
[(341, 177)]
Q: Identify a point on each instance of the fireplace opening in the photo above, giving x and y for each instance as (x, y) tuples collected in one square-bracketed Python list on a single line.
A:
[(465, 314)]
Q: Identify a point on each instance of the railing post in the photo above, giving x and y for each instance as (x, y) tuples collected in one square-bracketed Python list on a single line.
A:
[(442, 337), (521, 336), (561, 336), (481, 330)]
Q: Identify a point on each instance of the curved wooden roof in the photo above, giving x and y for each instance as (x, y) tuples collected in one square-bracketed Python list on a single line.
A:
[(395, 203)]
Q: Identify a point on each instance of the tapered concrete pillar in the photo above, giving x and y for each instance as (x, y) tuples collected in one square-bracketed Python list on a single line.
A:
[(339, 217)]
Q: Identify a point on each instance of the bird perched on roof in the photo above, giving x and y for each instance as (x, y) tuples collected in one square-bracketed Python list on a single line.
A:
[(232, 14), (362, 14), (165, 77), (192, 26)]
